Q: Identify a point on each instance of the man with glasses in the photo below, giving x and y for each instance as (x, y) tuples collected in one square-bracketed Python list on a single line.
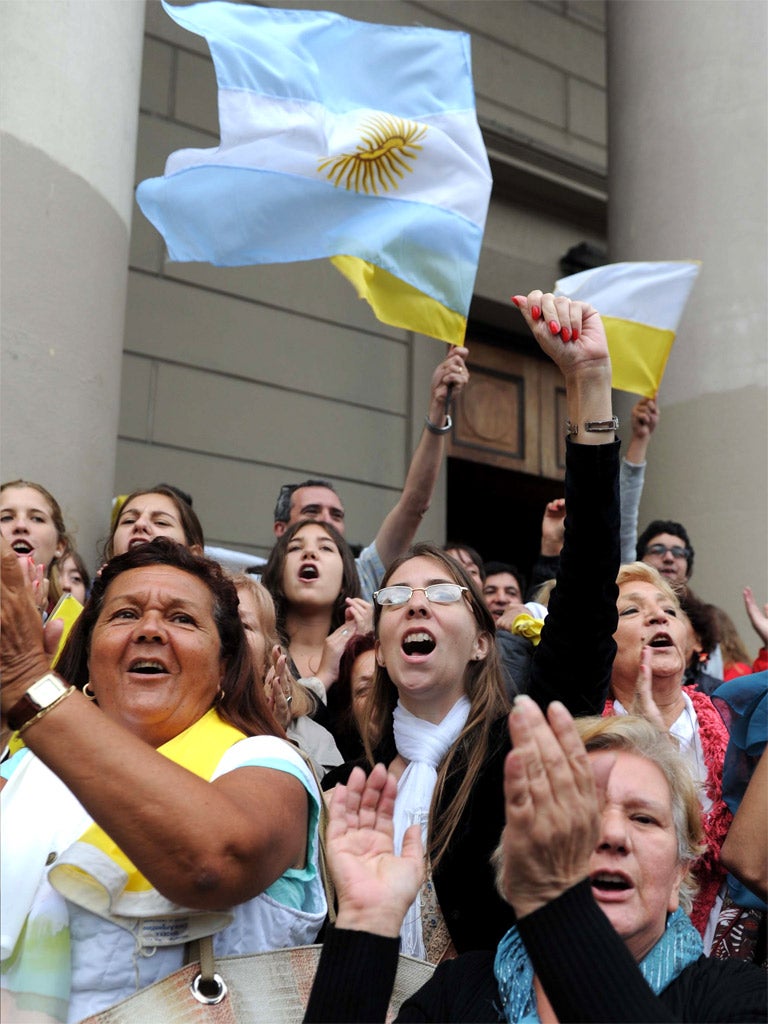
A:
[(666, 546), (317, 499)]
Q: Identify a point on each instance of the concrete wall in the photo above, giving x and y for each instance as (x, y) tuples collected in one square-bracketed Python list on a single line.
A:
[(689, 96), (68, 118), (236, 380)]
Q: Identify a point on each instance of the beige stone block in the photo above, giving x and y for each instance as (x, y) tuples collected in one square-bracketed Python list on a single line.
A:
[(587, 115), (313, 288), (196, 92), (157, 23), (222, 415), (591, 12), (541, 31), (513, 80), (136, 397), (175, 322), (235, 500), (156, 71), (545, 136)]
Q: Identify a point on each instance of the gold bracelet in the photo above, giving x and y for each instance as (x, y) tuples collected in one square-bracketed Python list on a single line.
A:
[(44, 711)]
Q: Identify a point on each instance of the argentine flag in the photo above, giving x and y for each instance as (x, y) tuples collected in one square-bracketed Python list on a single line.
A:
[(641, 305), (339, 139)]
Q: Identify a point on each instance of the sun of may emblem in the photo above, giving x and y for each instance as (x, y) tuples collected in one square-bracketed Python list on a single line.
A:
[(389, 144)]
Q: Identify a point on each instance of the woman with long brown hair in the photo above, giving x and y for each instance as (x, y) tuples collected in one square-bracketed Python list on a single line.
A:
[(438, 695)]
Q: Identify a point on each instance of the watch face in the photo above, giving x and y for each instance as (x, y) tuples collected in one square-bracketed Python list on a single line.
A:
[(46, 690)]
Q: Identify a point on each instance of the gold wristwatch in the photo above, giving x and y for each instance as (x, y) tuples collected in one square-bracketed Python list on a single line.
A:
[(38, 700)]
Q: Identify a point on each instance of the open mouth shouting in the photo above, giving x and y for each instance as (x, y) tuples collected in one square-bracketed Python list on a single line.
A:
[(660, 640), (418, 643), (309, 571), (148, 667), (609, 885), (22, 547)]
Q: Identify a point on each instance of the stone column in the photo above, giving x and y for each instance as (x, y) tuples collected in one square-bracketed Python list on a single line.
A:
[(688, 112), (68, 117)]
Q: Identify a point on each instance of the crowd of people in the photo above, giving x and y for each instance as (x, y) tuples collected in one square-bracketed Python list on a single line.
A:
[(534, 786)]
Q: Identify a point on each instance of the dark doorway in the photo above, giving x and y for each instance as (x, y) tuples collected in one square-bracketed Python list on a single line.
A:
[(498, 511)]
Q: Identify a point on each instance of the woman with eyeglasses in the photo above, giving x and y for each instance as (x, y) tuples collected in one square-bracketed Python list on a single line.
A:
[(438, 702)]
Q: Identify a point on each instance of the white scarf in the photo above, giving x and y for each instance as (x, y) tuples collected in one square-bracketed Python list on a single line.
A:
[(423, 745)]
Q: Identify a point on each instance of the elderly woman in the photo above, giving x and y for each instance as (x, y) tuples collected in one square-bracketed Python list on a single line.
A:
[(602, 825), (158, 805), (651, 620), (438, 703), (312, 578), (158, 512)]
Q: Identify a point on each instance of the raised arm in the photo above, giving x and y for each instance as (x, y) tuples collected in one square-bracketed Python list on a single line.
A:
[(574, 659), (745, 850), (399, 528), (645, 417)]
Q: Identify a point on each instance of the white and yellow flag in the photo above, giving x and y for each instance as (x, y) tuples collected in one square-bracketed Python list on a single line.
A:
[(641, 305)]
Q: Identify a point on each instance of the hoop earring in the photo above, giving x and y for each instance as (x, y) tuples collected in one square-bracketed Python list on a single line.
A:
[(89, 692)]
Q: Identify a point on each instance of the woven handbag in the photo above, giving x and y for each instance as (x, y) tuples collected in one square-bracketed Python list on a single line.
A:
[(261, 988)]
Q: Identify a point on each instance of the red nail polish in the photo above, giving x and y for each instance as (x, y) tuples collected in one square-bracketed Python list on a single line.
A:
[(554, 326), (566, 334), (575, 334), (516, 300), (535, 312)]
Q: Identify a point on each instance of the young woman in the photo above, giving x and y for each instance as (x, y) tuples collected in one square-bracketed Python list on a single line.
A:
[(159, 512), (444, 731), (291, 703), (312, 578), (32, 522)]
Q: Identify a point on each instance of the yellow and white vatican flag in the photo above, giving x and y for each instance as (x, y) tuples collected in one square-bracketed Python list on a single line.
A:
[(340, 139), (641, 305)]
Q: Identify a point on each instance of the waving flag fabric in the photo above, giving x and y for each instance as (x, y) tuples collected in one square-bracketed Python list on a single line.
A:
[(339, 139), (641, 305)]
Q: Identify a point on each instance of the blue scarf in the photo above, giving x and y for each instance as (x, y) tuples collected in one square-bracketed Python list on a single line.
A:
[(679, 946)]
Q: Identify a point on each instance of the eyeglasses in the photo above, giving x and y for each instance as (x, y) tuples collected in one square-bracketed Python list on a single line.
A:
[(436, 593), (661, 549)]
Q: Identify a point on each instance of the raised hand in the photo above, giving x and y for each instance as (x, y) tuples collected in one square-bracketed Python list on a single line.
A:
[(552, 806), (644, 704), (758, 618), (571, 333), (453, 373), (23, 657), (645, 418), (374, 887), (278, 687), (358, 619), (553, 527)]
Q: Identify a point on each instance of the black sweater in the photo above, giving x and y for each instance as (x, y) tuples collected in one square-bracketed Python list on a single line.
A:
[(583, 965)]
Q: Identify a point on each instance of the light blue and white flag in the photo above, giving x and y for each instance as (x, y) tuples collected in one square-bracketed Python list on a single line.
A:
[(339, 139)]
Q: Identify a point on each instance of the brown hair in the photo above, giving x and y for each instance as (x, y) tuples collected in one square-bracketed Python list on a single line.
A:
[(731, 644), (190, 524), (54, 589), (483, 685), (242, 702), (272, 577), (303, 701)]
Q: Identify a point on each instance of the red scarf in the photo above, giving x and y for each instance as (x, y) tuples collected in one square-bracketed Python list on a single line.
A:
[(708, 870)]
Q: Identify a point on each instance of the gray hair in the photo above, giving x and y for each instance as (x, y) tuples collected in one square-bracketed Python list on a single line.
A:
[(287, 491)]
